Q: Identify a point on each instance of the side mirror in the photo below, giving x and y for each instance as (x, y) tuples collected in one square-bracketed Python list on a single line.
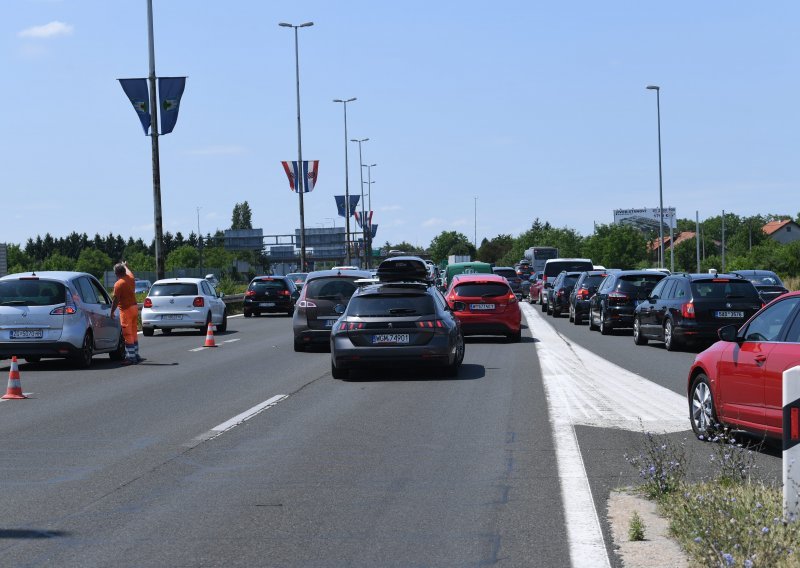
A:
[(459, 306), (220, 295), (729, 333), (439, 282), (652, 299)]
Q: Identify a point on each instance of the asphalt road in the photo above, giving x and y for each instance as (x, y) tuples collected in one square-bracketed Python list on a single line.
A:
[(133, 466)]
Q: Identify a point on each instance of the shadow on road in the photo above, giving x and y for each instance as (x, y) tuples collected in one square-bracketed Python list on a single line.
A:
[(30, 534), (467, 372)]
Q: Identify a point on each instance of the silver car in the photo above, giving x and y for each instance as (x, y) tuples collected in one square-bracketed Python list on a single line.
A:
[(57, 314), (175, 303)]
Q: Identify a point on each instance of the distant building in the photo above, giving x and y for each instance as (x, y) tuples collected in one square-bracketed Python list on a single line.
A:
[(784, 232)]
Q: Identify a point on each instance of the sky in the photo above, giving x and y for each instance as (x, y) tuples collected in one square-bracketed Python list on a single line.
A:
[(538, 109)]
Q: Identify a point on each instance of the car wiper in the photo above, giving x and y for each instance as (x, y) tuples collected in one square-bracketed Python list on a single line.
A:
[(728, 296), (490, 295), (334, 297), (396, 311), (15, 303)]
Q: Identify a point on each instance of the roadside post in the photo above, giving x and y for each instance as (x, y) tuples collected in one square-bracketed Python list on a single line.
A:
[(791, 443)]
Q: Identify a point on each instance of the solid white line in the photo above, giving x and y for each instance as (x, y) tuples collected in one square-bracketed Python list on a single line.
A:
[(248, 414), (232, 340)]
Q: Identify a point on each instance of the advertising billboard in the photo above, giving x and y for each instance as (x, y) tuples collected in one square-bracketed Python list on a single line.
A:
[(645, 219)]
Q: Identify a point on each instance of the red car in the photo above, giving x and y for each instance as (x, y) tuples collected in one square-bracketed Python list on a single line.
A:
[(485, 305), (737, 382)]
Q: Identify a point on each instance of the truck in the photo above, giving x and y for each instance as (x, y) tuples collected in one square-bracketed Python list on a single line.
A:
[(539, 255), (454, 258)]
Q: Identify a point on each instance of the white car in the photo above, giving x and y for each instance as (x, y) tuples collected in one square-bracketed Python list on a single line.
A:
[(175, 303)]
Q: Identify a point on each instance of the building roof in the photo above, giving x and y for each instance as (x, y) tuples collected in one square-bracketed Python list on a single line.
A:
[(774, 226)]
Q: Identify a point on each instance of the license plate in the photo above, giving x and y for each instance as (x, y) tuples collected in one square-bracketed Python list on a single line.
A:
[(729, 314), (26, 334), (481, 306), (391, 338), (172, 317), (329, 323), (267, 304)]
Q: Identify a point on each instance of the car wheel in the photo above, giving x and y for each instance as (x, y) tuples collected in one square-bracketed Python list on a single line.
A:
[(670, 341), (82, 359), (515, 337), (571, 314), (605, 329), (119, 353), (299, 347), (576, 319), (544, 306), (702, 413), (290, 313), (223, 327), (638, 338), (248, 314), (452, 370), (204, 329), (339, 374), (148, 331), (592, 325)]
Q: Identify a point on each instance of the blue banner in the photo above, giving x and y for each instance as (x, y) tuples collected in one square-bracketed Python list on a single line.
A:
[(374, 230), (137, 92), (340, 204), (170, 91)]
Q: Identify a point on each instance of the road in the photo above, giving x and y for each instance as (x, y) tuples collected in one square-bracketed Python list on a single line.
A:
[(252, 455)]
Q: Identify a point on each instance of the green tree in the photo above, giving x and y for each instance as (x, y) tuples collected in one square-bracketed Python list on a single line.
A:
[(218, 257), (138, 260), (183, 257), (616, 246), (492, 251), (94, 262), (242, 217), (18, 261), (57, 261), (448, 241)]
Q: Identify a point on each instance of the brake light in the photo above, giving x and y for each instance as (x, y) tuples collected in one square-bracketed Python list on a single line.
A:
[(148, 303), (351, 326), (199, 302), (511, 298), (306, 304), (283, 292), (687, 310), (583, 294), (560, 292), (617, 298), (63, 311), (250, 293)]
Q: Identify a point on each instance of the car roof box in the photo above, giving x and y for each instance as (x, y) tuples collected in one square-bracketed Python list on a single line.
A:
[(403, 269)]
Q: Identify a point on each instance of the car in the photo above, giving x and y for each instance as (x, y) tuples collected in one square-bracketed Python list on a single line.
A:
[(612, 306), (321, 302), (558, 294), (536, 287), (54, 314), (553, 267), (584, 289), (177, 303), (513, 278), (767, 283), (737, 383), (524, 269), (690, 308), (141, 286), (485, 305), (403, 321), (212, 279), (270, 295), (474, 267), (299, 279)]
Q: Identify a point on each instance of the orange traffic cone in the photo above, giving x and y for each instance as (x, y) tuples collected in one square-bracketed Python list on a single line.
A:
[(14, 386), (210, 337)]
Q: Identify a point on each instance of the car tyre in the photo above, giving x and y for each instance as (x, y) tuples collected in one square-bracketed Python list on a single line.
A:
[(638, 338), (452, 369), (544, 306), (204, 329), (605, 329), (82, 359), (248, 314), (592, 325), (119, 353), (571, 314), (223, 327), (515, 337), (148, 331), (670, 341), (299, 347), (702, 413), (339, 374)]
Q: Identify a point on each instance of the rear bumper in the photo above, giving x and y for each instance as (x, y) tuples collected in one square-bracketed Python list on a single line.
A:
[(154, 320), (489, 324), (621, 316), (436, 353), (24, 349), (254, 306)]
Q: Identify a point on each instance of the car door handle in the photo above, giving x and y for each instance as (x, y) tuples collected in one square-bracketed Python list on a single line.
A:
[(760, 359)]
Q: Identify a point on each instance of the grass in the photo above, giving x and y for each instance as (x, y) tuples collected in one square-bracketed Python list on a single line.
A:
[(728, 518), (636, 530), (792, 282)]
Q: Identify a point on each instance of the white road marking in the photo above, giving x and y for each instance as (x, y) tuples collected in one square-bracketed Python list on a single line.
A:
[(236, 420), (232, 340), (583, 388)]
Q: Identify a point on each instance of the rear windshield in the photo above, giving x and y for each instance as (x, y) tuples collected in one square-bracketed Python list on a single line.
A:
[(375, 305), (31, 293), (639, 285), (593, 280), (569, 280), (723, 289), (555, 268), (335, 288), (766, 280), (506, 273), (480, 290), (174, 289), (264, 285), (298, 277)]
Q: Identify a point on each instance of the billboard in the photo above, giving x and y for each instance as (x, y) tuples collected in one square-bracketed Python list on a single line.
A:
[(645, 219)]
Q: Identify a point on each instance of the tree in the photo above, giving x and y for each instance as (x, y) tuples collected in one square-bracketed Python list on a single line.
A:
[(183, 257), (492, 251), (617, 246), (448, 241), (217, 257), (242, 217), (139, 260), (57, 261), (94, 262)]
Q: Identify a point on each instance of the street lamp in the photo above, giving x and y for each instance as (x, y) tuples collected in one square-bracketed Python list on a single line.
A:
[(300, 183), (363, 201), (369, 207), (657, 89), (346, 179)]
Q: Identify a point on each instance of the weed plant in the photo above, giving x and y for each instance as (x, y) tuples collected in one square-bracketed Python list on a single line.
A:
[(636, 530)]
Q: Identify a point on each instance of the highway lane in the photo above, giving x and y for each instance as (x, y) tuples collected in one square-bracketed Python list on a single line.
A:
[(395, 468)]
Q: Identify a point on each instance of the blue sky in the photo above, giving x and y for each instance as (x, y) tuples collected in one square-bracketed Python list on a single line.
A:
[(537, 108)]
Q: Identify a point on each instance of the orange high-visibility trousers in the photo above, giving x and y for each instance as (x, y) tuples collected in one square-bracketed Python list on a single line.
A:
[(128, 318)]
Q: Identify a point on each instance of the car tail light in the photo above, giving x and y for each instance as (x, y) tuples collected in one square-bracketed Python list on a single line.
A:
[(306, 304), (148, 303), (617, 298), (283, 292), (583, 294), (199, 302), (560, 292), (351, 326), (430, 324), (687, 310), (511, 298), (63, 311), (250, 293)]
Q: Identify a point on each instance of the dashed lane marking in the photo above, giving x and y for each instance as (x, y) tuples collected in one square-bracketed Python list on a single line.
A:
[(220, 429)]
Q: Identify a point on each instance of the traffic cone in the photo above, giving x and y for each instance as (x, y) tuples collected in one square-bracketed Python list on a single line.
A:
[(210, 337), (14, 386)]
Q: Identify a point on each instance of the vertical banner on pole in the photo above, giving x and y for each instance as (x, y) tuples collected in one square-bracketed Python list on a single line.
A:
[(340, 204), (170, 91), (310, 170), (791, 443), (137, 92)]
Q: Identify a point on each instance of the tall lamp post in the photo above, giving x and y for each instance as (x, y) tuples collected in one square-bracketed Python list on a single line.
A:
[(369, 184), (159, 237), (346, 180), (300, 183), (657, 89), (363, 201)]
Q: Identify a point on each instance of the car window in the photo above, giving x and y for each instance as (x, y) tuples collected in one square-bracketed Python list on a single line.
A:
[(261, 286), (724, 289), (608, 282), (206, 289), (488, 289), (638, 285), (174, 289), (31, 293), (335, 288), (793, 335), (593, 280), (102, 296), (87, 292), (669, 290), (506, 273), (659, 289), (394, 305), (767, 325)]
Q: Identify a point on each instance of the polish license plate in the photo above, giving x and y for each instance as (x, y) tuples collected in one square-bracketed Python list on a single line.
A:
[(267, 304), (391, 339), (481, 306), (26, 334), (172, 317), (729, 314)]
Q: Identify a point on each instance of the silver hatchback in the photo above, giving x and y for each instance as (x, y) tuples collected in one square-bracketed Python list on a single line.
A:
[(57, 314)]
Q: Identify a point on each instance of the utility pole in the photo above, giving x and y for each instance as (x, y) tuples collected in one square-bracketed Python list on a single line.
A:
[(200, 240), (157, 219)]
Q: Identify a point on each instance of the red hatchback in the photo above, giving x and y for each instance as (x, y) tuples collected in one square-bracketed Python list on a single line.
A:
[(485, 305), (738, 382)]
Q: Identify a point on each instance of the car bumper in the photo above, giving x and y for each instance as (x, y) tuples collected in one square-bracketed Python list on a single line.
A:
[(620, 316), (504, 323), (255, 307), (188, 319), (436, 353), (38, 349)]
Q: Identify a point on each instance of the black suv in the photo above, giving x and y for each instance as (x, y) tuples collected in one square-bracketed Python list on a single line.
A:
[(558, 295), (767, 283), (270, 295), (612, 305), (685, 308), (583, 290)]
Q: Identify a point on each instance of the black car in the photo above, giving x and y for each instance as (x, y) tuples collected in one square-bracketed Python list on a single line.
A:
[(270, 295), (583, 290), (512, 277), (558, 295), (613, 304), (401, 321), (685, 308), (767, 283), (524, 269)]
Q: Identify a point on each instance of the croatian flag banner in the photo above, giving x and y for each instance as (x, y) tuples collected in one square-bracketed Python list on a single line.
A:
[(310, 169)]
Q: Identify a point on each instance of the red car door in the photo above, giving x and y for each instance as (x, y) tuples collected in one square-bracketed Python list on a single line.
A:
[(741, 383)]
